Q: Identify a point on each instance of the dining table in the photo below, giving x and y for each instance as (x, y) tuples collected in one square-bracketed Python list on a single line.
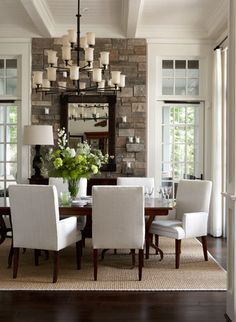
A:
[(153, 207)]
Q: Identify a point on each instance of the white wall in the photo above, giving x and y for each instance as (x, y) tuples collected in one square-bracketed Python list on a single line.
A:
[(22, 49)]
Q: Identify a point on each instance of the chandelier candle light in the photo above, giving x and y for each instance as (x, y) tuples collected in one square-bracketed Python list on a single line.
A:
[(99, 79)]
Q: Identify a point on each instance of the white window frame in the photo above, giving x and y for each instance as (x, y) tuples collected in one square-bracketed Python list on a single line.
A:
[(20, 48)]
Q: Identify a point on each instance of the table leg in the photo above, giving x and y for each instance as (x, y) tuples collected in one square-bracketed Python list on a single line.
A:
[(3, 230), (149, 239)]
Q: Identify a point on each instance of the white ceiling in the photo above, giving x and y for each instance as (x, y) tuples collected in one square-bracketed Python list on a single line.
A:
[(202, 19)]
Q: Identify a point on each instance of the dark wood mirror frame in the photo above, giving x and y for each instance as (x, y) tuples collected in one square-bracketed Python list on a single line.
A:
[(111, 100)]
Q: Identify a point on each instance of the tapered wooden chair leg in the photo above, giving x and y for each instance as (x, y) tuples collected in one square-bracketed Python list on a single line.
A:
[(95, 263), (10, 256), (204, 246), (177, 252), (148, 242), (140, 263), (16, 252), (79, 246), (55, 265), (157, 242), (133, 256)]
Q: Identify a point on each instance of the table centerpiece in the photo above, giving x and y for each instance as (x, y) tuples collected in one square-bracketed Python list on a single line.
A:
[(73, 164)]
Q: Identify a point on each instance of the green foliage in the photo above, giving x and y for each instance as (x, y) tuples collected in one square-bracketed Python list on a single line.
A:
[(74, 164)]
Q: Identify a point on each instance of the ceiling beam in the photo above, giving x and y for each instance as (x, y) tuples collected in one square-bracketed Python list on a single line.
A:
[(41, 16), (132, 11)]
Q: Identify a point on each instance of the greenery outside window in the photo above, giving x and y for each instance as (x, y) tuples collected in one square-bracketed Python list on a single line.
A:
[(182, 142)]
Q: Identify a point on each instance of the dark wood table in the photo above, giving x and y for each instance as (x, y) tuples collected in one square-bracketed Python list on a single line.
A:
[(153, 207)]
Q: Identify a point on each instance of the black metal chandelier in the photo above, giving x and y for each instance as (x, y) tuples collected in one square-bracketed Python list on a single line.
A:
[(65, 77)]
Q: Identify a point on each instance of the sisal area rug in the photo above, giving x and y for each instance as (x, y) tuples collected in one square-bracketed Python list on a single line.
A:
[(115, 272)]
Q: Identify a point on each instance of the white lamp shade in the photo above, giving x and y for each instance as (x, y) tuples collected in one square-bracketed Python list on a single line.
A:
[(52, 57), (74, 72), (115, 77), (72, 36), (38, 135), (97, 75), (82, 85), (90, 38), (66, 52), (83, 42), (51, 74), (89, 54), (38, 77), (104, 57), (122, 80)]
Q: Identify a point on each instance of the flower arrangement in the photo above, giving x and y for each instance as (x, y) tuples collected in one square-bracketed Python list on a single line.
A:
[(73, 164)]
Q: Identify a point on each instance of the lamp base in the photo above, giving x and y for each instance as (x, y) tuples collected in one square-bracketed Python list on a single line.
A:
[(37, 162)]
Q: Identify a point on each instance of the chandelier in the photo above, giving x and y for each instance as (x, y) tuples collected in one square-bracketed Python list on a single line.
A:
[(77, 73)]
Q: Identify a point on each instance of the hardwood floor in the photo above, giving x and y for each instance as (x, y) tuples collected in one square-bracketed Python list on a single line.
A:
[(25, 306)]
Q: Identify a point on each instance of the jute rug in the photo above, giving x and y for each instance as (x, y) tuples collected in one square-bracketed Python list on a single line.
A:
[(115, 272)]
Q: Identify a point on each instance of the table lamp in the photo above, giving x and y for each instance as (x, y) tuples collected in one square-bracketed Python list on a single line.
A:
[(38, 135)]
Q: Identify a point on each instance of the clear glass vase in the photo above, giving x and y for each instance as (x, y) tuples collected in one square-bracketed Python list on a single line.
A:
[(73, 187)]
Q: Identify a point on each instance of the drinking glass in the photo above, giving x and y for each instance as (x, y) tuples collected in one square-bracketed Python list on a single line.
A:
[(149, 191)]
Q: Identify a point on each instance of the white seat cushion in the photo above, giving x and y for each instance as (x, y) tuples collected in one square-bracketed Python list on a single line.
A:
[(168, 228)]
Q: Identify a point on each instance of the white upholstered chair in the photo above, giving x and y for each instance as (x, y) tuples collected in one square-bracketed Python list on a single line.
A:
[(36, 223), (192, 207), (147, 183), (118, 220)]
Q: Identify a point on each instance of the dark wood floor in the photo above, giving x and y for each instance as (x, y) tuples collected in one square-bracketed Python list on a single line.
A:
[(117, 306)]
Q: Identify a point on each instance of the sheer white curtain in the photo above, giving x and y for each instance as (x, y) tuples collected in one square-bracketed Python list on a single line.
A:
[(216, 217)]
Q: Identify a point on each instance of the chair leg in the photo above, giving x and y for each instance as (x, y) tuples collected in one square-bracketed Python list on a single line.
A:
[(177, 252), (157, 242), (204, 246), (36, 257), (10, 256), (16, 252), (95, 263), (79, 246), (133, 256), (148, 242), (55, 265), (140, 264)]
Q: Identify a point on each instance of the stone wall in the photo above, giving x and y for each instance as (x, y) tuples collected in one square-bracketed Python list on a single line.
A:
[(128, 56)]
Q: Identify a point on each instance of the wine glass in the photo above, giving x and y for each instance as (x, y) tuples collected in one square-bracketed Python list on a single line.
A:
[(168, 192), (149, 191), (160, 192)]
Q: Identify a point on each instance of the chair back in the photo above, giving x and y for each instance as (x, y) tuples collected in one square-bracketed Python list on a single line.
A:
[(34, 215), (118, 217), (147, 183), (193, 196)]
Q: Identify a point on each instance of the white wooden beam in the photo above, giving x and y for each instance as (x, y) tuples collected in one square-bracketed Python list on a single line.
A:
[(41, 16), (132, 11)]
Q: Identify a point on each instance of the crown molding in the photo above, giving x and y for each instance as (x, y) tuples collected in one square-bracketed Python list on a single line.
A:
[(41, 16)]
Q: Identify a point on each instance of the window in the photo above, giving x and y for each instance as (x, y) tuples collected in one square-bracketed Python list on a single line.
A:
[(180, 77), (8, 146), (8, 77), (182, 142)]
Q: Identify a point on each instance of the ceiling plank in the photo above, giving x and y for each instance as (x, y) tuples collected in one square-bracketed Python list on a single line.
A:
[(41, 16), (133, 13)]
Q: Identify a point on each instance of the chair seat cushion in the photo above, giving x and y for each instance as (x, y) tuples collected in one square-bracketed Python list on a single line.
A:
[(168, 228)]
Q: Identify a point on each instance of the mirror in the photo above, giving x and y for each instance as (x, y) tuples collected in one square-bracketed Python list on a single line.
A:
[(91, 118)]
